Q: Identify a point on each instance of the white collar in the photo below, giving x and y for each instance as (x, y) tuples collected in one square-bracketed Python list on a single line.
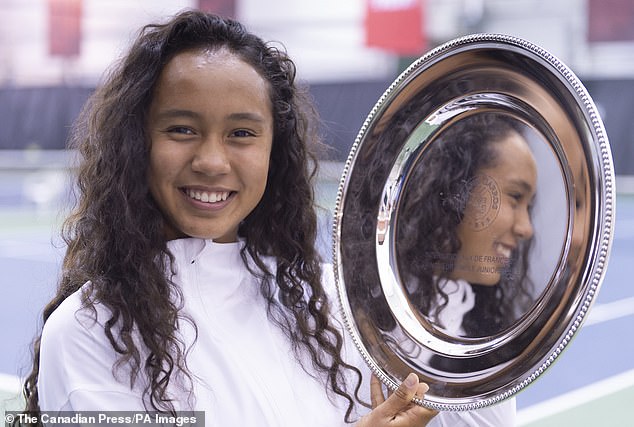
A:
[(461, 299)]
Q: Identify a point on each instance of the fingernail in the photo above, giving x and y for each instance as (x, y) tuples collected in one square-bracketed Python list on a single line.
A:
[(425, 388), (411, 380)]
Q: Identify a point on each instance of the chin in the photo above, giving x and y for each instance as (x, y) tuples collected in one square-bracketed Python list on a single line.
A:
[(485, 279), (479, 278), (489, 282)]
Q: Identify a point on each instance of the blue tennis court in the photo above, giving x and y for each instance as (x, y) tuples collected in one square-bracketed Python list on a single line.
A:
[(590, 384)]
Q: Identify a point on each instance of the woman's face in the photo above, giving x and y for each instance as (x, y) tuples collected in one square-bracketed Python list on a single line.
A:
[(211, 128), (497, 215)]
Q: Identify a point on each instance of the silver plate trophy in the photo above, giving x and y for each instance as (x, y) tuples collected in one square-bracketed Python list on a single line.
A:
[(474, 221)]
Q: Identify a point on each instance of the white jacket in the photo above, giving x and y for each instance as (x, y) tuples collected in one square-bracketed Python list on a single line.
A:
[(243, 369)]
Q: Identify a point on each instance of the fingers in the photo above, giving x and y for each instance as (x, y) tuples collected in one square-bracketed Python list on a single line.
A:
[(403, 395), (408, 388), (421, 390), (419, 415), (376, 392), (397, 410)]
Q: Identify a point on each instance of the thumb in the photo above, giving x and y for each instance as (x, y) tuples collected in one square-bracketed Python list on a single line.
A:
[(403, 395)]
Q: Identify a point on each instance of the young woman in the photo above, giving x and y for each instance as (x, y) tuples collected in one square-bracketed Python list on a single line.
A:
[(465, 244), (191, 280)]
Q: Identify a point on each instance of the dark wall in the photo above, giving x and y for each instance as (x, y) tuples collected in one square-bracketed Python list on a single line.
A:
[(38, 117), (343, 108), (615, 102), (41, 117)]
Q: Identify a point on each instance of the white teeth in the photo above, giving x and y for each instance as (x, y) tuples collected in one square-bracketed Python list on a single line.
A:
[(208, 197), (504, 251)]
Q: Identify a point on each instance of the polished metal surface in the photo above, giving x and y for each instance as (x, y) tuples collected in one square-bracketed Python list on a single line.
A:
[(381, 253)]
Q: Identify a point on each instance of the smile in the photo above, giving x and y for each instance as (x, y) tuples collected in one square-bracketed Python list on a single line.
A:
[(503, 250), (207, 196)]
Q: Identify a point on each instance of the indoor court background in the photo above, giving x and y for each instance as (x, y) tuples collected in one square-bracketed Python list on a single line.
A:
[(590, 384), (592, 378)]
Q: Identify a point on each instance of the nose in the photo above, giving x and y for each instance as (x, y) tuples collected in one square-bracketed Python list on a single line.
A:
[(523, 227), (211, 157)]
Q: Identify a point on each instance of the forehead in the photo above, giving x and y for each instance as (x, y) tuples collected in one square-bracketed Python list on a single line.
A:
[(211, 80), (205, 65), (514, 160)]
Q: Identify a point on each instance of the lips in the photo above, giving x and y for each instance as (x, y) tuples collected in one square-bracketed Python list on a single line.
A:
[(207, 196)]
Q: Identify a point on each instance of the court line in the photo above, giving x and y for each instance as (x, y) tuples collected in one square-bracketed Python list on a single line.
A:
[(610, 311), (624, 229), (40, 250), (10, 383), (575, 398)]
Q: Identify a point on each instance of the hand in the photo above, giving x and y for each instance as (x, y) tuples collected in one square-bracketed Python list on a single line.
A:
[(397, 410)]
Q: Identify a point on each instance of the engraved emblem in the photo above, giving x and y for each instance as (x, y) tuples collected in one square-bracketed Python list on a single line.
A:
[(484, 202)]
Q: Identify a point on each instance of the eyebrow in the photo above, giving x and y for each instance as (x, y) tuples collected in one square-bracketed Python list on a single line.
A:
[(177, 113), (253, 117), (523, 184)]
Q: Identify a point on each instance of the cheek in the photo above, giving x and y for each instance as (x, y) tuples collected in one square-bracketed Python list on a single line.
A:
[(163, 163), (158, 157), (504, 221), (467, 237), (478, 242), (261, 178), (155, 168), (162, 169), (257, 168)]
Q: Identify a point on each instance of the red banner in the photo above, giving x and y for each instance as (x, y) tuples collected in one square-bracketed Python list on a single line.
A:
[(226, 8), (395, 26), (64, 27), (610, 20)]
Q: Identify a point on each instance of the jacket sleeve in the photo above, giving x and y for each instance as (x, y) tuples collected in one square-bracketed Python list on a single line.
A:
[(77, 364)]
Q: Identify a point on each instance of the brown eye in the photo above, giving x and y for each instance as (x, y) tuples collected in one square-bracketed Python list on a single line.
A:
[(182, 130), (242, 133)]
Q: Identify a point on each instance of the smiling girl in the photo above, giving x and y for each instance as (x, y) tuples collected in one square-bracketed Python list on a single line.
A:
[(191, 280), (468, 241)]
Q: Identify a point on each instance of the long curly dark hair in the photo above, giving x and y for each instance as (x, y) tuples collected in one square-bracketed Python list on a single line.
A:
[(427, 237), (115, 234)]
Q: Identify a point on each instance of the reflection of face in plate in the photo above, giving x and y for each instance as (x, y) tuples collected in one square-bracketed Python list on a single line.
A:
[(497, 214), (484, 202)]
